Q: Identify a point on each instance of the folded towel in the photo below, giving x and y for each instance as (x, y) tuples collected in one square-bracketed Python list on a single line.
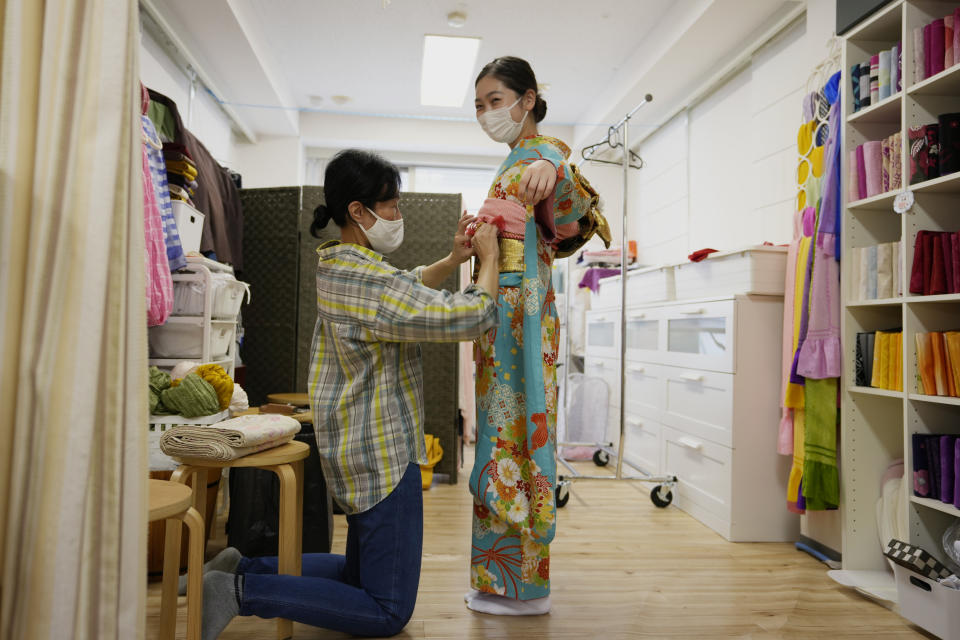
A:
[(230, 439)]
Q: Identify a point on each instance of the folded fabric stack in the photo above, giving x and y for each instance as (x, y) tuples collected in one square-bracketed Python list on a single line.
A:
[(203, 392), (181, 172), (875, 167), (938, 363), (936, 46), (230, 439), (876, 272), (877, 78), (936, 460), (936, 263), (878, 358)]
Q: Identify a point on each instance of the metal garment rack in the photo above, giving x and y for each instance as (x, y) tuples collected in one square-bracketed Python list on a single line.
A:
[(662, 494)]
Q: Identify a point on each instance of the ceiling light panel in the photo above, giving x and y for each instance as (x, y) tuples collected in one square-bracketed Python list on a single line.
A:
[(448, 64)]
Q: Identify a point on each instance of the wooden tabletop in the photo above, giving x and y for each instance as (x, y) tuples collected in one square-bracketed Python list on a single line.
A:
[(296, 399), (168, 499), (304, 417), (284, 454)]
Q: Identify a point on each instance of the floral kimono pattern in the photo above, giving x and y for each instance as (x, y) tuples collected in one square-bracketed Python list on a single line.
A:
[(514, 475)]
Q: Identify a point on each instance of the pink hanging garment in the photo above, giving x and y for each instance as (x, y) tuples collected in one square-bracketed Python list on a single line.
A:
[(785, 439), (159, 281)]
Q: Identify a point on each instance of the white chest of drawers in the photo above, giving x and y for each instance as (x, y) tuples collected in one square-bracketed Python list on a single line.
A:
[(702, 403)]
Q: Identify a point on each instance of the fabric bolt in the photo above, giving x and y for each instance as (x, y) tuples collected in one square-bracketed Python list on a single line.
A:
[(369, 591), (927, 256), (158, 177), (895, 69), (896, 162), (365, 380), (927, 54), (883, 75), (863, 272), (861, 172), (948, 135), (938, 273), (884, 271), (853, 178), (514, 473), (897, 271), (821, 482), (855, 86), (871, 272), (865, 84), (946, 245), (885, 166), (924, 152), (948, 41), (854, 257), (874, 79), (921, 470), (924, 351), (229, 439), (937, 46), (956, 36), (919, 55), (956, 470), (157, 268), (955, 260), (873, 167)]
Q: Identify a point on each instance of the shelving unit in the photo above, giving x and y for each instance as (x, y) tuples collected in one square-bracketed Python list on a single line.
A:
[(877, 425)]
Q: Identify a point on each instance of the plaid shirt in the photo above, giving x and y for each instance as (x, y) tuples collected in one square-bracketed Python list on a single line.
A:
[(365, 379)]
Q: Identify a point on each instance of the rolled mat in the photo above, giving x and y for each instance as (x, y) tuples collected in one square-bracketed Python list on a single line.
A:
[(861, 173), (873, 166), (949, 137), (230, 439), (919, 62), (937, 49), (883, 76), (924, 147), (855, 86)]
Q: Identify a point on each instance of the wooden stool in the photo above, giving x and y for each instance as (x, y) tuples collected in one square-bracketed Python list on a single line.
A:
[(296, 399), (170, 501), (287, 462)]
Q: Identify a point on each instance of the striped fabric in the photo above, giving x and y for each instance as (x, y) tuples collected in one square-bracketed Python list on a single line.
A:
[(365, 379), (158, 174)]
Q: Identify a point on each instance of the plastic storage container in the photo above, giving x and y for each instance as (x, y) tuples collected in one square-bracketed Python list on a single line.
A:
[(928, 604), (184, 340), (189, 225), (758, 270), (227, 294)]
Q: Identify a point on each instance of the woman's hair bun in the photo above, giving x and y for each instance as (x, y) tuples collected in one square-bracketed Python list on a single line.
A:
[(321, 216)]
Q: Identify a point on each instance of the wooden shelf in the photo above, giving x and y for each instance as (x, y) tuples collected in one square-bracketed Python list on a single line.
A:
[(882, 302), (945, 83), (870, 391), (935, 399), (887, 110), (882, 26), (937, 505), (946, 297), (879, 202), (949, 183)]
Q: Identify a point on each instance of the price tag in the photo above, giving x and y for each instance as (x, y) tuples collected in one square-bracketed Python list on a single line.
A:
[(903, 202)]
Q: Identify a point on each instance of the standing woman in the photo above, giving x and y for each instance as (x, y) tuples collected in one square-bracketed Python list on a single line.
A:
[(536, 201), (366, 394)]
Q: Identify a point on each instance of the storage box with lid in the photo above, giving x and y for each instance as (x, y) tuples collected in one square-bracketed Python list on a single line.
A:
[(189, 225), (928, 604), (183, 337), (757, 270), (651, 284)]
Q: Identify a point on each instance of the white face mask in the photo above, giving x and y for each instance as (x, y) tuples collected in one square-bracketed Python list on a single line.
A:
[(385, 236), (500, 125)]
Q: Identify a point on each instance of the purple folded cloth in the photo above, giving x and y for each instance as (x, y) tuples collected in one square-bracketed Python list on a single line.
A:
[(591, 279), (956, 476), (861, 173), (947, 457)]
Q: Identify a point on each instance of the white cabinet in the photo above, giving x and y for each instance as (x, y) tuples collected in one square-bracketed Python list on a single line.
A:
[(702, 403)]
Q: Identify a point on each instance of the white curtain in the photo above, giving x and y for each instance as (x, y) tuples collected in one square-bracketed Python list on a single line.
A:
[(72, 323)]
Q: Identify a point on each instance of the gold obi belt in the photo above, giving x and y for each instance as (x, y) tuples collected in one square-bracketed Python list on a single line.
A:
[(510, 219)]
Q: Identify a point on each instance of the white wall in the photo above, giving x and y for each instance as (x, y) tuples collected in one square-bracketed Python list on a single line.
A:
[(206, 121), (271, 162)]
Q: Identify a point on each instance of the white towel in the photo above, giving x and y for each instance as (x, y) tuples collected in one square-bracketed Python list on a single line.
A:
[(229, 439)]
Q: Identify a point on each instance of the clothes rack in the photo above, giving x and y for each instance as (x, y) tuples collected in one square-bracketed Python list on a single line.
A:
[(618, 136)]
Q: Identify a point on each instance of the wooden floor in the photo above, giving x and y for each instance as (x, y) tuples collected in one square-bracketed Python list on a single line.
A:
[(620, 568)]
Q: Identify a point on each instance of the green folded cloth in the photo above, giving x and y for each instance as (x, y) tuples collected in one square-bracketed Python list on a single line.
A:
[(193, 397), (159, 381)]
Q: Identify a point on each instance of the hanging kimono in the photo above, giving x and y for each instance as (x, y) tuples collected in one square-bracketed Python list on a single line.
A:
[(514, 475)]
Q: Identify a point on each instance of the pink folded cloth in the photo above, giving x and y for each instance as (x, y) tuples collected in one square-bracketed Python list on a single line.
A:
[(937, 48), (861, 174), (508, 216), (919, 53), (948, 41), (853, 182), (873, 167)]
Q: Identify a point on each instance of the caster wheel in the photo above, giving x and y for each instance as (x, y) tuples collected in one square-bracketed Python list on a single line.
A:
[(661, 500), (562, 495), (601, 458)]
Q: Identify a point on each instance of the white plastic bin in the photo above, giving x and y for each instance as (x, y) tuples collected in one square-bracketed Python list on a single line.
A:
[(607, 295), (928, 604), (758, 270), (189, 295), (189, 225), (228, 295), (185, 340), (655, 284)]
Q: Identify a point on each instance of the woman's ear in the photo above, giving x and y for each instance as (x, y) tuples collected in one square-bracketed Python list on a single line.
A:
[(355, 211), (529, 100)]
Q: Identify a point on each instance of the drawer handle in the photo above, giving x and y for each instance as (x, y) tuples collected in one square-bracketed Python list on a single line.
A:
[(636, 369), (599, 319), (694, 312), (690, 443), (635, 423), (690, 377), (638, 316), (599, 365)]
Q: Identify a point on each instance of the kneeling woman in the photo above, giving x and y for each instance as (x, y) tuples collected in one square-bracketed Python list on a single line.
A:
[(366, 394)]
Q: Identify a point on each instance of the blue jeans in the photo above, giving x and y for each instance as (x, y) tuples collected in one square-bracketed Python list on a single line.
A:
[(371, 591)]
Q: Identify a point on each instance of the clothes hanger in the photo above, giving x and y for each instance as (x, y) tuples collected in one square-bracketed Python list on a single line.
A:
[(614, 142)]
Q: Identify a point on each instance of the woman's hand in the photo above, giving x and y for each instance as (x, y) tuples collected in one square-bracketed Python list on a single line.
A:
[(462, 247), (538, 181), (486, 245)]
